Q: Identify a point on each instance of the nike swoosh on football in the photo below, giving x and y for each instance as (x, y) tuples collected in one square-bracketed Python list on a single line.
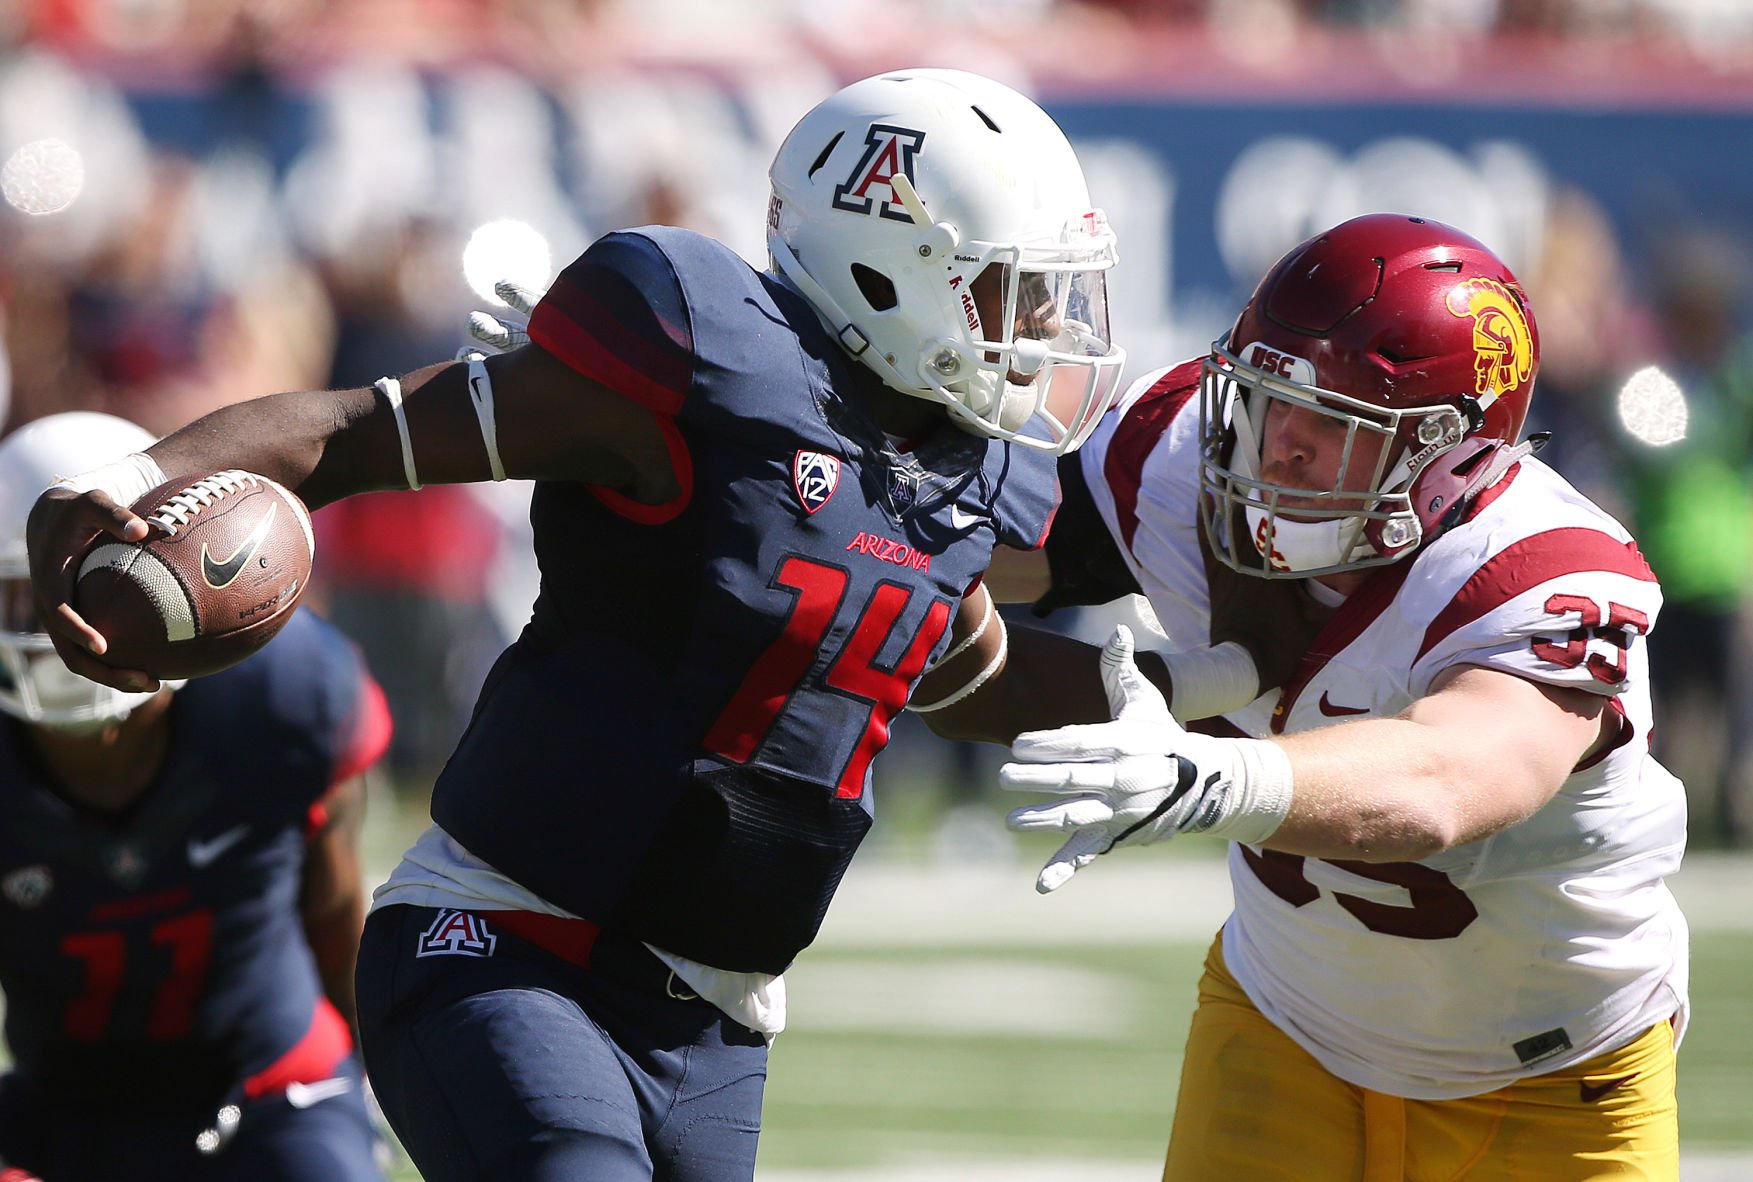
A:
[(202, 853), (1331, 710), (220, 573), (303, 1095), (1592, 1092)]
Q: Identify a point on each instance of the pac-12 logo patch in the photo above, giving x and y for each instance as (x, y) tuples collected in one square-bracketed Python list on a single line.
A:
[(815, 475), (457, 933), (887, 150)]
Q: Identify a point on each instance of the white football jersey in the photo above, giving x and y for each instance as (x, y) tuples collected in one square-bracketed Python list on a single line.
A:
[(1534, 949)]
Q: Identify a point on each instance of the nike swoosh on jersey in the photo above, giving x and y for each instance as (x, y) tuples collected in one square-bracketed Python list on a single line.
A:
[(1592, 1092), (961, 519), (205, 852), (219, 573), (303, 1095), (1333, 710)]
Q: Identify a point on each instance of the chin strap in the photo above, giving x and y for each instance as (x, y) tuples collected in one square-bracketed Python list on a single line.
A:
[(1492, 470), (1501, 462), (827, 308)]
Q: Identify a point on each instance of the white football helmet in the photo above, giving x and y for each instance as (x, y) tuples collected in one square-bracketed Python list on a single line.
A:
[(940, 225), (34, 685)]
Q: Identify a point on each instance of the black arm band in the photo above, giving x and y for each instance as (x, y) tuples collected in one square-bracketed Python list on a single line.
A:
[(1085, 562)]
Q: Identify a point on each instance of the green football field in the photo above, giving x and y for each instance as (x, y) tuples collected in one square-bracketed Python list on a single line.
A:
[(1087, 1070), (951, 1024)]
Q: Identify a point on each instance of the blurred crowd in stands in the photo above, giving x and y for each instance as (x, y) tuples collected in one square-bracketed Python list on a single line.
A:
[(212, 199), (220, 28)]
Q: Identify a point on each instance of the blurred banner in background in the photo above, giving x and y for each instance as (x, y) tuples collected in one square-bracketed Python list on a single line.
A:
[(212, 199)]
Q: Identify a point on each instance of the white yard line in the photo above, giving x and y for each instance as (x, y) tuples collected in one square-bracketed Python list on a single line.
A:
[(994, 903), (1138, 895), (1705, 1167)]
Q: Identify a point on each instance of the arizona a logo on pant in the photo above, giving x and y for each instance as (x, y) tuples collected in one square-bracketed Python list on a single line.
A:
[(456, 933)]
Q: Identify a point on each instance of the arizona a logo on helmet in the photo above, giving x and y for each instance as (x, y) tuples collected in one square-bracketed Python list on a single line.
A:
[(887, 150)]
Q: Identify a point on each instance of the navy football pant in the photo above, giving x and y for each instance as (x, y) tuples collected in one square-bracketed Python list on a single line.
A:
[(326, 1139), (498, 1060)]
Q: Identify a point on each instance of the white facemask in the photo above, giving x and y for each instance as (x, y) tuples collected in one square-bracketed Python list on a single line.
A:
[(42, 691)]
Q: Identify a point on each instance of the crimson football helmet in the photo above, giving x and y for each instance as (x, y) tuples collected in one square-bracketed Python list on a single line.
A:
[(1417, 347)]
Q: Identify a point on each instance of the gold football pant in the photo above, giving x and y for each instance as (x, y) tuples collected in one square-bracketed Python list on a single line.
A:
[(1256, 1107)]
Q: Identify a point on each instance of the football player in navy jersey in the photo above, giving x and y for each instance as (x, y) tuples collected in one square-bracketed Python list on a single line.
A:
[(761, 498), (181, 891)]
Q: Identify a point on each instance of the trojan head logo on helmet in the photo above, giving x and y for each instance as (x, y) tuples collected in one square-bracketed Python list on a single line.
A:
[(34, 685), (1503, 342), (939, 224), (1415, 345)]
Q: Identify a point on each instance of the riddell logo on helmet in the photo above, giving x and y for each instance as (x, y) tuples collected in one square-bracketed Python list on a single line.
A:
[(887, 150), (1285, 365), (1503, 346), (968, 308)]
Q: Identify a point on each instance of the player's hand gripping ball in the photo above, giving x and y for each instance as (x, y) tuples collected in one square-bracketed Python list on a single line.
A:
[(221, 572)]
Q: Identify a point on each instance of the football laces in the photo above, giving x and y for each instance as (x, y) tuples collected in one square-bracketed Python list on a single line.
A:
[(182, 508)]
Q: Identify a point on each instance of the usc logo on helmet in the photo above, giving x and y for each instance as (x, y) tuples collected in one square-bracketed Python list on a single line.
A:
[(1503, 348)]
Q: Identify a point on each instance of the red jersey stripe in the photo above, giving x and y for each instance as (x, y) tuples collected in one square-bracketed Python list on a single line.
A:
[(1137, 436), (371, 733), (326, 1042), (681, 462), (1528, 563), (629, 366)]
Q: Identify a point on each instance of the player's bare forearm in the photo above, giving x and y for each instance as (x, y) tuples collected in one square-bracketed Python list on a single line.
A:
[(332, 894), (549, 422), (330, 444), (1487, 750), (1047, 680), (305, 440)]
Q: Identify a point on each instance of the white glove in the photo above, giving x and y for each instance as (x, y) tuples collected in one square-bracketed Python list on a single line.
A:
[(1141, 778), (502, 333)]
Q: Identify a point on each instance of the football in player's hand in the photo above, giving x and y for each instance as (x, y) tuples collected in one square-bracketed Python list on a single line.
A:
[(222, 570)]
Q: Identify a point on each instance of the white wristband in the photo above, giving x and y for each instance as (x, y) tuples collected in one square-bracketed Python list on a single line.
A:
[(391, 389), (967, 641), (124, 481), (1209, 681), (979, 679), (1260, 794), (481, 394)]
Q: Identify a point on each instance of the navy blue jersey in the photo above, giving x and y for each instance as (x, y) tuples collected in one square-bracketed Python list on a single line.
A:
[(157, 961), (680, 743)]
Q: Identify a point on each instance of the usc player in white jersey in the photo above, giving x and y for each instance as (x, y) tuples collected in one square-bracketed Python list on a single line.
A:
[(1452, 953)]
